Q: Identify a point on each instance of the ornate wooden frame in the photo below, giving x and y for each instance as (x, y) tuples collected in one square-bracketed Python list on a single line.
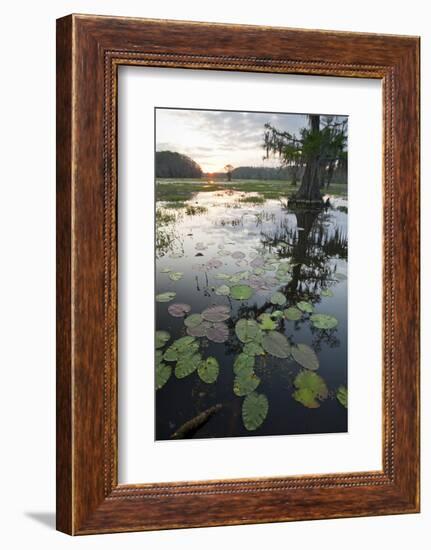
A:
[(89, 51)]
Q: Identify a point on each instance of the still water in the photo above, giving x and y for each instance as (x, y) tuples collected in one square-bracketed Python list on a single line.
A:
[(220, 235)]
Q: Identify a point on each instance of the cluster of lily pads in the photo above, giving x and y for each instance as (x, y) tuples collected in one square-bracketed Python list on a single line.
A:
[(258, 337)]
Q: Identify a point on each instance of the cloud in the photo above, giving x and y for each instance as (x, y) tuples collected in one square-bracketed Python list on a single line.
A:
[(216, 138)]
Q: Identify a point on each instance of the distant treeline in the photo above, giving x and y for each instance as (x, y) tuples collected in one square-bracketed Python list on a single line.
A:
[(175, 165)]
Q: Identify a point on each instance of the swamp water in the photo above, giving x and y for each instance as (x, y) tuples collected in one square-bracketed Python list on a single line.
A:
[(272, 360)]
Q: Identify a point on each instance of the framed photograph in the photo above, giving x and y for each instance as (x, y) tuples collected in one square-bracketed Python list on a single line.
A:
[(237, 274)]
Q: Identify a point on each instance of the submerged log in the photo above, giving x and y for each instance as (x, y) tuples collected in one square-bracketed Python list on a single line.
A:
[(189, 428)]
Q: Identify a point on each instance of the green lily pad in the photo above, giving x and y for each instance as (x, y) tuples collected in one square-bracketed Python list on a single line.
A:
[(179, 310), (306, 307), (327, 293), (222, 276), (244, 363), (241, 292), (183, 347), (278, 299), (162, 336), (216, 314), (342, 395), (305, 356), (218, 332), (245, 383), (292, 314), (266, 322), (163, 373), (254, 411), (324, 322), (247, 330), (253, 348), (277, 314), (165, 296), (310, 387), (165, 270), (193, 320), (176, 275), (340, 276), (208, 370), (222, 290), (186, 365), (276, 344)]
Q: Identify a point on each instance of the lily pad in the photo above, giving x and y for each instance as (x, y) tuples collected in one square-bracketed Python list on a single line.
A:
[(186, 365), (277, 314), (276, 344), (323, 322), (247, 330), (214, 263), (327, 293), (244, 363), (193, 320), (342, 395), (163, 373), (222, 276), (254, 411), (311, 388), (185, 346), (218, 332), (222, 290), (257, 262), (165, 296), (208, 370), (162, 336), (340, 276), (200, 330), (216, 314), (266, 322), (179, 310), (238, 255), (245, 383), (278, 299), (241, 292), (305, 356), (292, 314), (306, 307), (200, 246), (253, 348), (176, 275), (165, 270)]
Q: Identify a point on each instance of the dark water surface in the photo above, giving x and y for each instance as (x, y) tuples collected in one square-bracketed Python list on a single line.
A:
[(315, 245)]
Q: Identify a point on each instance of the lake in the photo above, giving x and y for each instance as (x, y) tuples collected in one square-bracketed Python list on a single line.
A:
[(283, 270)]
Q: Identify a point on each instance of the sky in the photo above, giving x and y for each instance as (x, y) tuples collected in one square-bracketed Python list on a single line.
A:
[(214, 139)]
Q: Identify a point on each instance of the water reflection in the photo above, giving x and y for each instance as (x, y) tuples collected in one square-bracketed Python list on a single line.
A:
[(201, 240)]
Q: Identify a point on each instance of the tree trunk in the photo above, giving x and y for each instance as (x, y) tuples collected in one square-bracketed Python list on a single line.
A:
[(309, 190)]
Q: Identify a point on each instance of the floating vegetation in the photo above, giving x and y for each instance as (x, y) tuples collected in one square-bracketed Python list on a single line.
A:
[(218, 332), (175, 275), (244, 363), (306, 307), (276, 344), (187, 364), (327, 293), (222, 290), (266, 322), (247, 330), (311, 388), (292, 314), (278, 299), (199, 330), (324, 322), (254, 411), (165, 296), (193, 320), (179, 310), (162, 336), (342, 395), (305, 356), (253, 348), (245, 383), (208, 370), (241, 292), (183, 347), (195, 210), (216, 314), (163, 373)]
